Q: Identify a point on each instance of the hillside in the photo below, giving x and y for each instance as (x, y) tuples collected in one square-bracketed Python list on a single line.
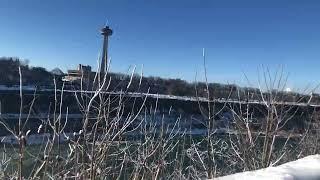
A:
[(9, 73), (39, 76)]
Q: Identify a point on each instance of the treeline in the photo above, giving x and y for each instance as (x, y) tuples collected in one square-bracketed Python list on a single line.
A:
[(39, 76), (9, 73), (180, 87)]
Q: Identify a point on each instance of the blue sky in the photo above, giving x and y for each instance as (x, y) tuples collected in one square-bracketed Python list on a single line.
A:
[(167, 36)]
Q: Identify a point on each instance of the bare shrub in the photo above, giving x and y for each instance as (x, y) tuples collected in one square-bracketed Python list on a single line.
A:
[(123, 135)]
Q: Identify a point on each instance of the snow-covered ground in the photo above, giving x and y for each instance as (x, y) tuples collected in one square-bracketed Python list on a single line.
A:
[(35, 139), (17, 88), (307, 168), (38, 116)]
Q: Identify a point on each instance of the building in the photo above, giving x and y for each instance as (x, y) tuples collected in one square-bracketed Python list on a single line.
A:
[(82, 73), (106, 32)]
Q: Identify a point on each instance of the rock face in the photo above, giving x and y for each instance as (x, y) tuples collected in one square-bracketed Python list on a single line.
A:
[(307, 168)]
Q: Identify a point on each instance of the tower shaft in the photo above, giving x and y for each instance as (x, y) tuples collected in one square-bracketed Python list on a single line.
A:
[(106, 32), (104, 57)]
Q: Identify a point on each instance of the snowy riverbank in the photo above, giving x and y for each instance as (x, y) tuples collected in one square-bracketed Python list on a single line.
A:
[(307, 168)]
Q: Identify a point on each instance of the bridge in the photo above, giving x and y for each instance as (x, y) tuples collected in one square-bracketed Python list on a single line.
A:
[(31, 90)]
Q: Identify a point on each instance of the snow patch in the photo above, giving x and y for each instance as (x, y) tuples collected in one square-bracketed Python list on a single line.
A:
[(307, 168)]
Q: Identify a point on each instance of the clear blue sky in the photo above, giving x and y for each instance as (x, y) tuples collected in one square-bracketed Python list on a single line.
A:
[(167, 36)]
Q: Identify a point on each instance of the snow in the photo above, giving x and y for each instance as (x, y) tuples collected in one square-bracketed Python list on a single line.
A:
[(7, 116), (35, 139), (307, 168), (17, 88), (288, 89)]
